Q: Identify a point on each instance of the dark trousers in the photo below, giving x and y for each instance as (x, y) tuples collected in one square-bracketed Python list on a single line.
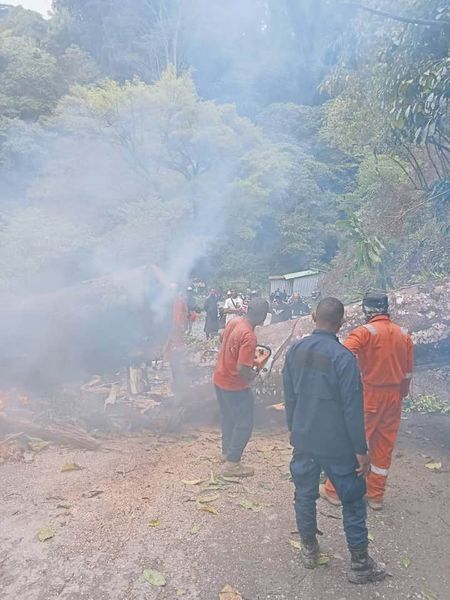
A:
[(236, 409), (350, 488)]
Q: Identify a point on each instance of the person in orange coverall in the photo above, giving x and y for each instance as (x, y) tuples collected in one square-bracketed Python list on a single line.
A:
[(385, 356)]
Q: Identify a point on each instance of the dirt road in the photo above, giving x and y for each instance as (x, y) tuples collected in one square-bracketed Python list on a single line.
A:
[(103, 542)]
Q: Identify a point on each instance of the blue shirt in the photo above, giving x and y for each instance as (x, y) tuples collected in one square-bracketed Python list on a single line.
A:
[(324, 398)]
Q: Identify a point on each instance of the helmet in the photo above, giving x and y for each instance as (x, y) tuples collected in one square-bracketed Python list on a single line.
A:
[(375, 303)]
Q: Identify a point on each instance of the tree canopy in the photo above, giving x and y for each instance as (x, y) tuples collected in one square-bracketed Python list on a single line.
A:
[(232, 140)]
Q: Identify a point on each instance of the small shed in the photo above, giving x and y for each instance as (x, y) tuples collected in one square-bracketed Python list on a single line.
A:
[(304, 283)]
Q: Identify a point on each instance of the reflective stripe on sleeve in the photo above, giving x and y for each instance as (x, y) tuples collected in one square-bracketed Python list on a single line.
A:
[(404, 330), (371, 329), (379, 471), (408, 376)]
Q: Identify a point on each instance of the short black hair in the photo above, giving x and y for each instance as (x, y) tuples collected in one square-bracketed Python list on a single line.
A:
[(330, 310), (376, 302), (257, 308)]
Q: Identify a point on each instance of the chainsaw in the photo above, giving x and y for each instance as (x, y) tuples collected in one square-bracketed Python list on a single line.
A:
[(266, 370)]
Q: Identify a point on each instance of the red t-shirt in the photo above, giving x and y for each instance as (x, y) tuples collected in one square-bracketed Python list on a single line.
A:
[(238, 348)]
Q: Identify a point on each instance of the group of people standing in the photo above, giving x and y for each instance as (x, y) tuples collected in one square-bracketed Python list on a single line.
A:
[(343, 407), (218, 314)]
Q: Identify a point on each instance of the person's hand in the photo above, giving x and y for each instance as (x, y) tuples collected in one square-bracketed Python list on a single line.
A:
[(364, 464)]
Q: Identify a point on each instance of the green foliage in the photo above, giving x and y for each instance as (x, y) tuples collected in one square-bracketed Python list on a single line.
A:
[(367, 250), (354, 121), (416, 80), (28, 79), (115, 139), (162, 165), (426, 404)]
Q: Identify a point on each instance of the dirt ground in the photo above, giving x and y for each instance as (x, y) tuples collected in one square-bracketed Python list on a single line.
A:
[(103, 542)]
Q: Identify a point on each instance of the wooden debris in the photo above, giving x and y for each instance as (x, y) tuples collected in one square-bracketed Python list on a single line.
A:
[(66, 435)]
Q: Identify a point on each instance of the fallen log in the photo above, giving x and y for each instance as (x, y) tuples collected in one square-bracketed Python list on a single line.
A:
[(65, 435), (423, 309), (93, 326)]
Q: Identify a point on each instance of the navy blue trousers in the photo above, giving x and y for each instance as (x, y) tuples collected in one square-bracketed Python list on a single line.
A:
[(236, 410), (350, 488)]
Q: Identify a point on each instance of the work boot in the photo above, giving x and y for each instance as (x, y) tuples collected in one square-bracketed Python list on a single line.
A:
[(326, 496), (232, 469), (374, 505), (310, 552), (364, 569)]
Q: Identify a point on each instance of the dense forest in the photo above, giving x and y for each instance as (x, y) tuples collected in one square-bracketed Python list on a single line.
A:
[(227, 140)]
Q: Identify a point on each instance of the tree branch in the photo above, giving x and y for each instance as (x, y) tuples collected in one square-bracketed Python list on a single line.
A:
[(402, 19)]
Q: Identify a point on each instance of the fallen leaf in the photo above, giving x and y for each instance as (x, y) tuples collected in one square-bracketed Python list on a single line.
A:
[(154, 578), (215, 487), (70, 467), (405, 561), (154, 523), (45, 533), (181, 592), (93, 493), (250, 505), (434, 466), (266, 486), (192, 481), (64, 506), (323, 560), (428, 594), (295, 544), (229, 593), (208, 498), (207, 508), (370, 537), (36, 444), (229, 479), (195, 529), (285, 476)]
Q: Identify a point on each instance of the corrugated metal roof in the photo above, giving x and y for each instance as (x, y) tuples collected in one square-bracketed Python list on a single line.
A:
[(297, 275), (301, 274)]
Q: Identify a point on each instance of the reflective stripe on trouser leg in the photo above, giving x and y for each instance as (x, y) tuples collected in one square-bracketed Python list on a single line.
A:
[(379, 471), (381, 429)]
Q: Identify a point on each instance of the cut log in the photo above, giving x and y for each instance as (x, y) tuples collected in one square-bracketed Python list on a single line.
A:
[(65, 435), (423, 309)]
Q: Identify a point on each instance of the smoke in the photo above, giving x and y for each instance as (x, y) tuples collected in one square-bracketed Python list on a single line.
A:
[(123, 176), (127, 176)]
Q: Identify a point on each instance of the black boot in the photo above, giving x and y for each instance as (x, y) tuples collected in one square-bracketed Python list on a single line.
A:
[(363, 568), (310, 552)]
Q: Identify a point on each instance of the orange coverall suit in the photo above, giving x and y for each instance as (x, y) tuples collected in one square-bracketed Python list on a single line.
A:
[(385, 356)]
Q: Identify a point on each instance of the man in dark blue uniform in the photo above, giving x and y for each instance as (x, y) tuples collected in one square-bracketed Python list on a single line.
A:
[(325, 415)]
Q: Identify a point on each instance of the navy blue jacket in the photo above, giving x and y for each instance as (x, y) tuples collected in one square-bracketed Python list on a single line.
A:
[(324, 398)]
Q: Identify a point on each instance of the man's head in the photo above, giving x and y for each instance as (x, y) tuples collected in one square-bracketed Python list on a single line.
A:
[(234, 293), (257, 311), (375, 303), (329, 314)]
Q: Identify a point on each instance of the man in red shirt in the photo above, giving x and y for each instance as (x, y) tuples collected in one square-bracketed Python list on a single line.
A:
[(235, 370)]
